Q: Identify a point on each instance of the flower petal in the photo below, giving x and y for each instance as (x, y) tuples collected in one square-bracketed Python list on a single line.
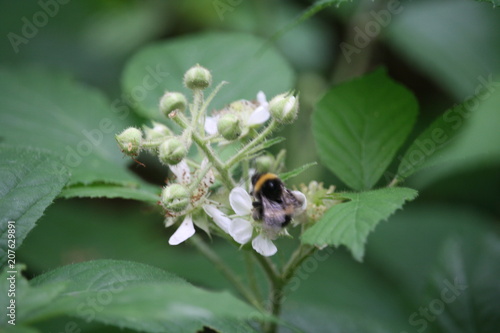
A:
[(181, 171), (289, 105), (241, 230), (211, 125), (261, 98), (185, 230), (240, 201), (259, 116), (209, 178), (219, 217), (264, 246), (302, 198)]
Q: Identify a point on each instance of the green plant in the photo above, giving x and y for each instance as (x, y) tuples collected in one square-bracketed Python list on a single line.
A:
[(199, 120)]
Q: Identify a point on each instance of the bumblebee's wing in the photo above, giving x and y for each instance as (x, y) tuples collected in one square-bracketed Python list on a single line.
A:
[(291, 201)]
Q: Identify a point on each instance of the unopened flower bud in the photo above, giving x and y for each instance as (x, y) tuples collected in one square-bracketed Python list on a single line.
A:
[(264, 163), (130, 141), (158, 131), (197, 77), (172, 101), (174, 197), (229, 127), (172, 151), (284, 108)]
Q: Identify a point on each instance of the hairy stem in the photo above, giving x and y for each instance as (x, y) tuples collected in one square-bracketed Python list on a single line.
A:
[(280, 281), (246, 149), (181, 120)]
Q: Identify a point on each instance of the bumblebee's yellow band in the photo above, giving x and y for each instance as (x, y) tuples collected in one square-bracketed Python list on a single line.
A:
[(265, 177)]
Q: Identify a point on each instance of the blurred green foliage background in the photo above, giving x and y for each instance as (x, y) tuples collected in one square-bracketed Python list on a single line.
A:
[(440, 50)]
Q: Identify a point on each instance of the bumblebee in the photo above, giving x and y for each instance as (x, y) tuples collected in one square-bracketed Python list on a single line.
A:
[(274, 204)]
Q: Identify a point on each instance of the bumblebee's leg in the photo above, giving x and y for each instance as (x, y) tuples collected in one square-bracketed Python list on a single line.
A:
[(257, 211), (288, 218)]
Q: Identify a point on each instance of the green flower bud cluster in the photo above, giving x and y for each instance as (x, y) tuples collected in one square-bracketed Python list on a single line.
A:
[(229, 126), (319, 200), (189, 121), (174, 197), (172, 101), (198, 77), (130, 141), (172, 151), (158, 140), (284, 108)]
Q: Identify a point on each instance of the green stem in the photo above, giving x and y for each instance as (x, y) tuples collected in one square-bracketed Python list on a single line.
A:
[(297, 258), (196, 112), (269, 268), (201, 174), (246, 167), (258, 139), (279, 282), (152, 144), (225, 270), (209, 99), (181, 120), (394, 182), (280, 159)]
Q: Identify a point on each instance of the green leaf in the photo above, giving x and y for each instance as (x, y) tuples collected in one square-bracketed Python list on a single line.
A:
[(30, 181), (145, 193), (19, 329), (49, 110), (458, 54), (464, 287), (139, 297), (476, 144), (350, 223), (493, 2), (297, 171), (38, 297), (359, 126), (430, 142), (271, 142), (229, 56), (400, 250)]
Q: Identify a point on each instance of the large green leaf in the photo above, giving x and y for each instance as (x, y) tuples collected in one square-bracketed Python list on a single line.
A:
[(401, 249), (49, 110), (359, 125), (463, 290), (493, 2), (229, 56), (146, 193), (476, 143), (30, 179), (429, 143), (135, 296), (335, 294), (350, 223), (458, 53)]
